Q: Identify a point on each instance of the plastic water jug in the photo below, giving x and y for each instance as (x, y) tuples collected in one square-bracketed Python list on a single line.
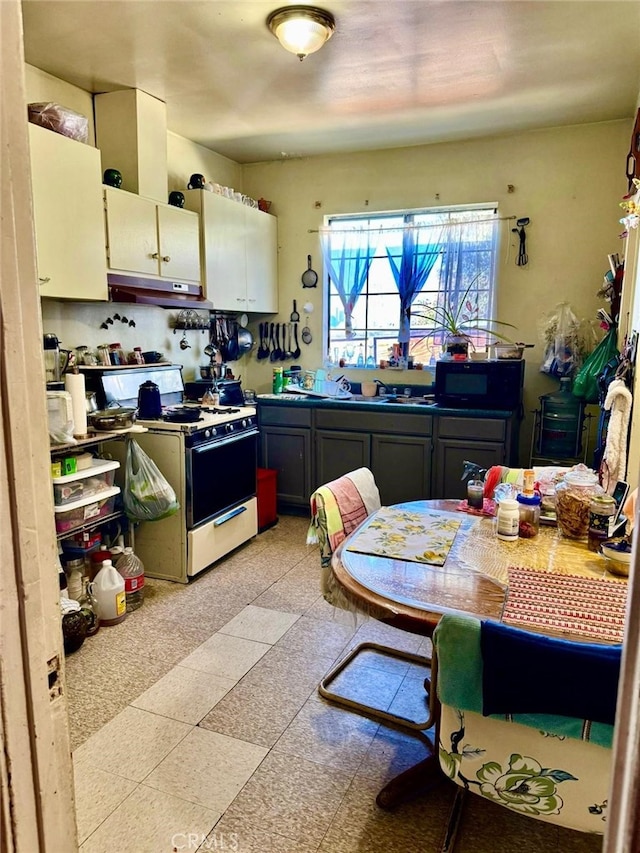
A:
[(108, 589)]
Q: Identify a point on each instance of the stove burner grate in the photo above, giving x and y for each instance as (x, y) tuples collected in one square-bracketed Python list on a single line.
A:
[(215, 411)]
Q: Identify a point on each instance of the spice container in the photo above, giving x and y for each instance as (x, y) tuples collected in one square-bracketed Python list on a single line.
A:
[(277, 380), (508, 519), (528, 515), (601, 511), (573, 502)]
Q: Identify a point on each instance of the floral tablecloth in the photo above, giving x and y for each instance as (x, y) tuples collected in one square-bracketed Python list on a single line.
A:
[(421, 537)]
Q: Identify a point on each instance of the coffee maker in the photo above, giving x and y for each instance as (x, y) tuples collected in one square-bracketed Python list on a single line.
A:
[(56, 361)]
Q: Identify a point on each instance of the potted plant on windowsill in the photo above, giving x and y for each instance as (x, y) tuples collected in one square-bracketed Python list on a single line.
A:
[(457, 320)]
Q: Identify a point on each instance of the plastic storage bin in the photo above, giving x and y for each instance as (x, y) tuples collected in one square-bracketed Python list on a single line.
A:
[(80, 512), (267, 498), (86, 483)]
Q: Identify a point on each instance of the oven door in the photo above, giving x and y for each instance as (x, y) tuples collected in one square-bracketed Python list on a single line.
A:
[(220, 475)]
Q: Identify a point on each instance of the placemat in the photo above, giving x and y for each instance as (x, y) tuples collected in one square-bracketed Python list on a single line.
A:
[(590, 607), (420, 537)]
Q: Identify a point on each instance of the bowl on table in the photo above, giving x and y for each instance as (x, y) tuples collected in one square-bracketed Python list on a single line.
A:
[(618, 555)]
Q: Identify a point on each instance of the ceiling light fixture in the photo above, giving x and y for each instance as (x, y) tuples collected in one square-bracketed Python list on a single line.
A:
[(301, 29)]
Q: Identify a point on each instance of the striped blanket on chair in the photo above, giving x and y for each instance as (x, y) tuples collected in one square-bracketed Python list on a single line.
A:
[(338, 507)]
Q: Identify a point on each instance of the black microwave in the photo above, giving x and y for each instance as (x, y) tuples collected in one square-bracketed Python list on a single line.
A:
[(491, 384)]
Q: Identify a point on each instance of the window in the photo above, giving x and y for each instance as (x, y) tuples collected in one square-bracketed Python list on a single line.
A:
[(388, 272)]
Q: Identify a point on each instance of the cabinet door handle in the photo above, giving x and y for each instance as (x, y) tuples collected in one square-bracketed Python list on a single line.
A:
[(44, 280), (155, 256), (166, 258), (229, 515), (240, 299), (251, 300)]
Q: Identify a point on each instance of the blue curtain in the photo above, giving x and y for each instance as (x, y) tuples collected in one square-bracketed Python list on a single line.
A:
[(347, 256), (416, 262)]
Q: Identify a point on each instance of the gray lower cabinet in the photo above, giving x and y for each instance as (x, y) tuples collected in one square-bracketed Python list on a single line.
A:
[(397, 449), (339, 452), (401, 465), (412, 456), (485, 441), (285, 446)]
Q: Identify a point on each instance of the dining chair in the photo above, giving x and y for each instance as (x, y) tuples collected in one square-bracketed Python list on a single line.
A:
[(337, 509), (525, 721)]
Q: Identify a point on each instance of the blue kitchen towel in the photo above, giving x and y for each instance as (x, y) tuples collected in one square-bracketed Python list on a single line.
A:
[(530, 673)]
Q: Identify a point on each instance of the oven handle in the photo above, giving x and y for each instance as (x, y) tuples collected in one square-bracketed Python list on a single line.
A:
[(220, 442), (229, 515)]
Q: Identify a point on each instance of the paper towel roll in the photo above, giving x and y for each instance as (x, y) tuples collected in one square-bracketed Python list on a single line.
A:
[(74, 384)]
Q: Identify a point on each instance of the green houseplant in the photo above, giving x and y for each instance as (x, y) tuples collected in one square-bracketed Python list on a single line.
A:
[(458, 319)]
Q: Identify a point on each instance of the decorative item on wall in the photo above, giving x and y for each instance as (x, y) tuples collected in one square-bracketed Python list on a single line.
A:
[(117, 317), (523, 258), (112, 178)]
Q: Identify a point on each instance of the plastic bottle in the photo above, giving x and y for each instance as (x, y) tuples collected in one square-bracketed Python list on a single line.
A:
[(108, 589), (508, 520), (132, 570)]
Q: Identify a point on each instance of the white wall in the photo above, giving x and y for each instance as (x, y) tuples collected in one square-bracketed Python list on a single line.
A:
[(568, 181)]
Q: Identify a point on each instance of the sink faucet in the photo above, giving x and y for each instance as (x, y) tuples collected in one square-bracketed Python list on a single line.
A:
[(382, 388)]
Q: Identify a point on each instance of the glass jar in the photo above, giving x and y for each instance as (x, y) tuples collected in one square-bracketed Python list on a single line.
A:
[(601, 511), (507, 520), (528, 515), (573, 502), (89, 607), (475, 494)]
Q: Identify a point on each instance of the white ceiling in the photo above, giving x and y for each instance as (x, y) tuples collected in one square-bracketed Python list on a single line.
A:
[(395, 73)]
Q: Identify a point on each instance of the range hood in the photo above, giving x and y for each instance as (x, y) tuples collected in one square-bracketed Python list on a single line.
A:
[(153, 291)]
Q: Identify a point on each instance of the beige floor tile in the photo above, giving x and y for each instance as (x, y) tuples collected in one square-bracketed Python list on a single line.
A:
[(97, 794), (375, 687), (411, 700), (207, 768), (132, 744), (378, 632), (150, 821), (229, 657), (184, 694), (292, 797), (414, 827), (328, 734), (240, 836), (293, 670), (326, 638), (257, 623), (255, 714)]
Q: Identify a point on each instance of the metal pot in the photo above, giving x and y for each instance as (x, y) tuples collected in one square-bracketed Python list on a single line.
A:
[(112, 419), (245, 340)]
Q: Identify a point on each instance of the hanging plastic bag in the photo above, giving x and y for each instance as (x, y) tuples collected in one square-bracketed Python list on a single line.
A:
[(147, 494), (585, 386), (560, 332)]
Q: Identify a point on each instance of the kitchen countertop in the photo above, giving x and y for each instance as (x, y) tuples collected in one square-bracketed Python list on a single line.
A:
[(380, 404)]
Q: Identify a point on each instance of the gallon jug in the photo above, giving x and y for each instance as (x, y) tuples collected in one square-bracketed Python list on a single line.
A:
[(132, 570), (108, 589), (149, 402)]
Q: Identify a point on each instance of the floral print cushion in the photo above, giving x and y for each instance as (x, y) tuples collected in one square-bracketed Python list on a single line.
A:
[(549, 777)]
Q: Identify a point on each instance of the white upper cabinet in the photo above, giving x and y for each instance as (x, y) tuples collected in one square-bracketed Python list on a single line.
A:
[(239, 253), (151, 239), (69, 218)]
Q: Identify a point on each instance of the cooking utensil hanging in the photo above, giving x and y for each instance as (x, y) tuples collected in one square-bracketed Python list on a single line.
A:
[(294, 314), (263, 350), (296, 353), (309, 276), (307, 337), (274, 345), (523, 258)]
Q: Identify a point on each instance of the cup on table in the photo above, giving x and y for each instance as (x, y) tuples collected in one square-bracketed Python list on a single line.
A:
[(475, 493)]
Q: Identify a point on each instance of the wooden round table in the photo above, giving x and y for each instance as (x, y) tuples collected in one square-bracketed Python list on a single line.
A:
[(473, 579)]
